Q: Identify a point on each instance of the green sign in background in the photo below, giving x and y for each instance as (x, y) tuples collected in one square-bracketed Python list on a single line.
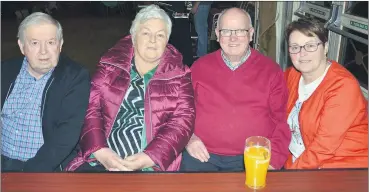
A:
[(359, 25)]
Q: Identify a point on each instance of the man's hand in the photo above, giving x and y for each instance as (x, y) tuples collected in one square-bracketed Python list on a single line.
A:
[(197, 149), (138, 161), (110, 160)]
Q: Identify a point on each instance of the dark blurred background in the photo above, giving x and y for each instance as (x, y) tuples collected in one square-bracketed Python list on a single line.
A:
[(90, 28)]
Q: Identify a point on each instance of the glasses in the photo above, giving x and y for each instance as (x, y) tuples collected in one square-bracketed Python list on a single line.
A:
[(237, 32), (310, 47)]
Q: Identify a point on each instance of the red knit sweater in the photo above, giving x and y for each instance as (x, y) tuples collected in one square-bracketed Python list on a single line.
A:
[(234, 105)]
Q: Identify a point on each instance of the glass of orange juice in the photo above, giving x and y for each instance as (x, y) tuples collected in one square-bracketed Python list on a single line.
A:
[(256, 158)]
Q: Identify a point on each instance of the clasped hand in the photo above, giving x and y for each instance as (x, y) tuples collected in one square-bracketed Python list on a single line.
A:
[(113, 162)]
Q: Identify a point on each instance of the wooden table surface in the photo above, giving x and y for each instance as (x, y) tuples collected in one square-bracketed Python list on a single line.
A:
[(295, 181)]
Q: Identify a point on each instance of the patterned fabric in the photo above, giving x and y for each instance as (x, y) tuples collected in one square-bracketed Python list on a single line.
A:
[(127, 135), (229, 63), (293, 122), (169, 97), (21, 116), (305, 91)]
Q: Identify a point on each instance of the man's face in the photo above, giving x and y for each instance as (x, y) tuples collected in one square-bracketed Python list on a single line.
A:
[(41, 48), (234, 34)]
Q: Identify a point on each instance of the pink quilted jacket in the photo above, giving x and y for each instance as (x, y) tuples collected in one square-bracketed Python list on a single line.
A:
[(169, 106)]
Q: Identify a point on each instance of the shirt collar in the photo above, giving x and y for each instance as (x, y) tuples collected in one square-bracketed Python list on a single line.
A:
[(229, 63), (134, 72), (25, 73)]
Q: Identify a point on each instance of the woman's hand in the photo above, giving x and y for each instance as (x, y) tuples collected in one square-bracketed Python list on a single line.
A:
[(110, 160), (138, 161)]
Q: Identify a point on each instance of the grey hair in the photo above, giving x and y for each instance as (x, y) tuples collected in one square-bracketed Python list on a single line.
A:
[(150, 12), (222, 13), (39, 18)]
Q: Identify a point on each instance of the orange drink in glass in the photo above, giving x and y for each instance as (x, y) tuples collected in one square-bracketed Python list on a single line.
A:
[(256, 158)]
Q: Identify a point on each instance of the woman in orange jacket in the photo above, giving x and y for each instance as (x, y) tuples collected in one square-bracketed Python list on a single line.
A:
[(327, 112)]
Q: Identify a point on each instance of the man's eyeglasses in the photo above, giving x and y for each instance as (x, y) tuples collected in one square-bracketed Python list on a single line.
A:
[(237, 32), (310, 47)]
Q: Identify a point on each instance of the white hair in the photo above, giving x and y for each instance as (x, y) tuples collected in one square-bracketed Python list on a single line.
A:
[(150, 12), (222, 13), (36, 19)]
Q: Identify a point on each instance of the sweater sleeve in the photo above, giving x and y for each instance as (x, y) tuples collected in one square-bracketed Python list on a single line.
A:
[(281, 136)]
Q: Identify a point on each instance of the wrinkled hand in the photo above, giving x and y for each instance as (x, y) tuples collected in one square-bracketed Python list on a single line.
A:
[(110, 160), (138, 161), (197, 149)]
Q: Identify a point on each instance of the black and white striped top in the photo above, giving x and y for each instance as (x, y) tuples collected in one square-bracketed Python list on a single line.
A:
[(125, 137)]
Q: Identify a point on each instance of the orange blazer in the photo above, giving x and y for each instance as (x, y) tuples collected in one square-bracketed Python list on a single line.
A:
[(333, 121)]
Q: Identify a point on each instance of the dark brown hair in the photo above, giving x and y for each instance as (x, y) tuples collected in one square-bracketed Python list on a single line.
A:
[(309, 27)]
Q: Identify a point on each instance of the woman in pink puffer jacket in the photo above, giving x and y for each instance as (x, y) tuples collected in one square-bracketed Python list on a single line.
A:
[(141, 109)]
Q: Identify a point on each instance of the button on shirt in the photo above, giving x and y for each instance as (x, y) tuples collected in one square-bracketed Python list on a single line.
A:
[(21, 116)]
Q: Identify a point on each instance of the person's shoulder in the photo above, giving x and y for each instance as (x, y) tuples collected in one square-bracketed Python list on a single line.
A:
[(291, 71), (11, 67), (15, 62), (69, 68), (206, 60), (338, 75), (340, 71), (265, 62), (338, 81), (70, 63)]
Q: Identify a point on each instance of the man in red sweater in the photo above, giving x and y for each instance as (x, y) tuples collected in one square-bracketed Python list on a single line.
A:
[(238, 93)]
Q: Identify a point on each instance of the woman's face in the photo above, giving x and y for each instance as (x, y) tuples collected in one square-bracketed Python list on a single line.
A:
[(150, 40), (306, 61)]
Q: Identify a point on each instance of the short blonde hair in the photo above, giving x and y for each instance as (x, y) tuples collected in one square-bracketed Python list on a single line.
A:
[(150, 12)]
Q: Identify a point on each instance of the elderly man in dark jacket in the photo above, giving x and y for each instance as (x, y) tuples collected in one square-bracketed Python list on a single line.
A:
[(44, 99)]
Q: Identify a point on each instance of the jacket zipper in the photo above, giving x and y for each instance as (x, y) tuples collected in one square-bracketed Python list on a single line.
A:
[(150, 108), (148, 89), (43, 104), (151, 129), (7, 95)]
